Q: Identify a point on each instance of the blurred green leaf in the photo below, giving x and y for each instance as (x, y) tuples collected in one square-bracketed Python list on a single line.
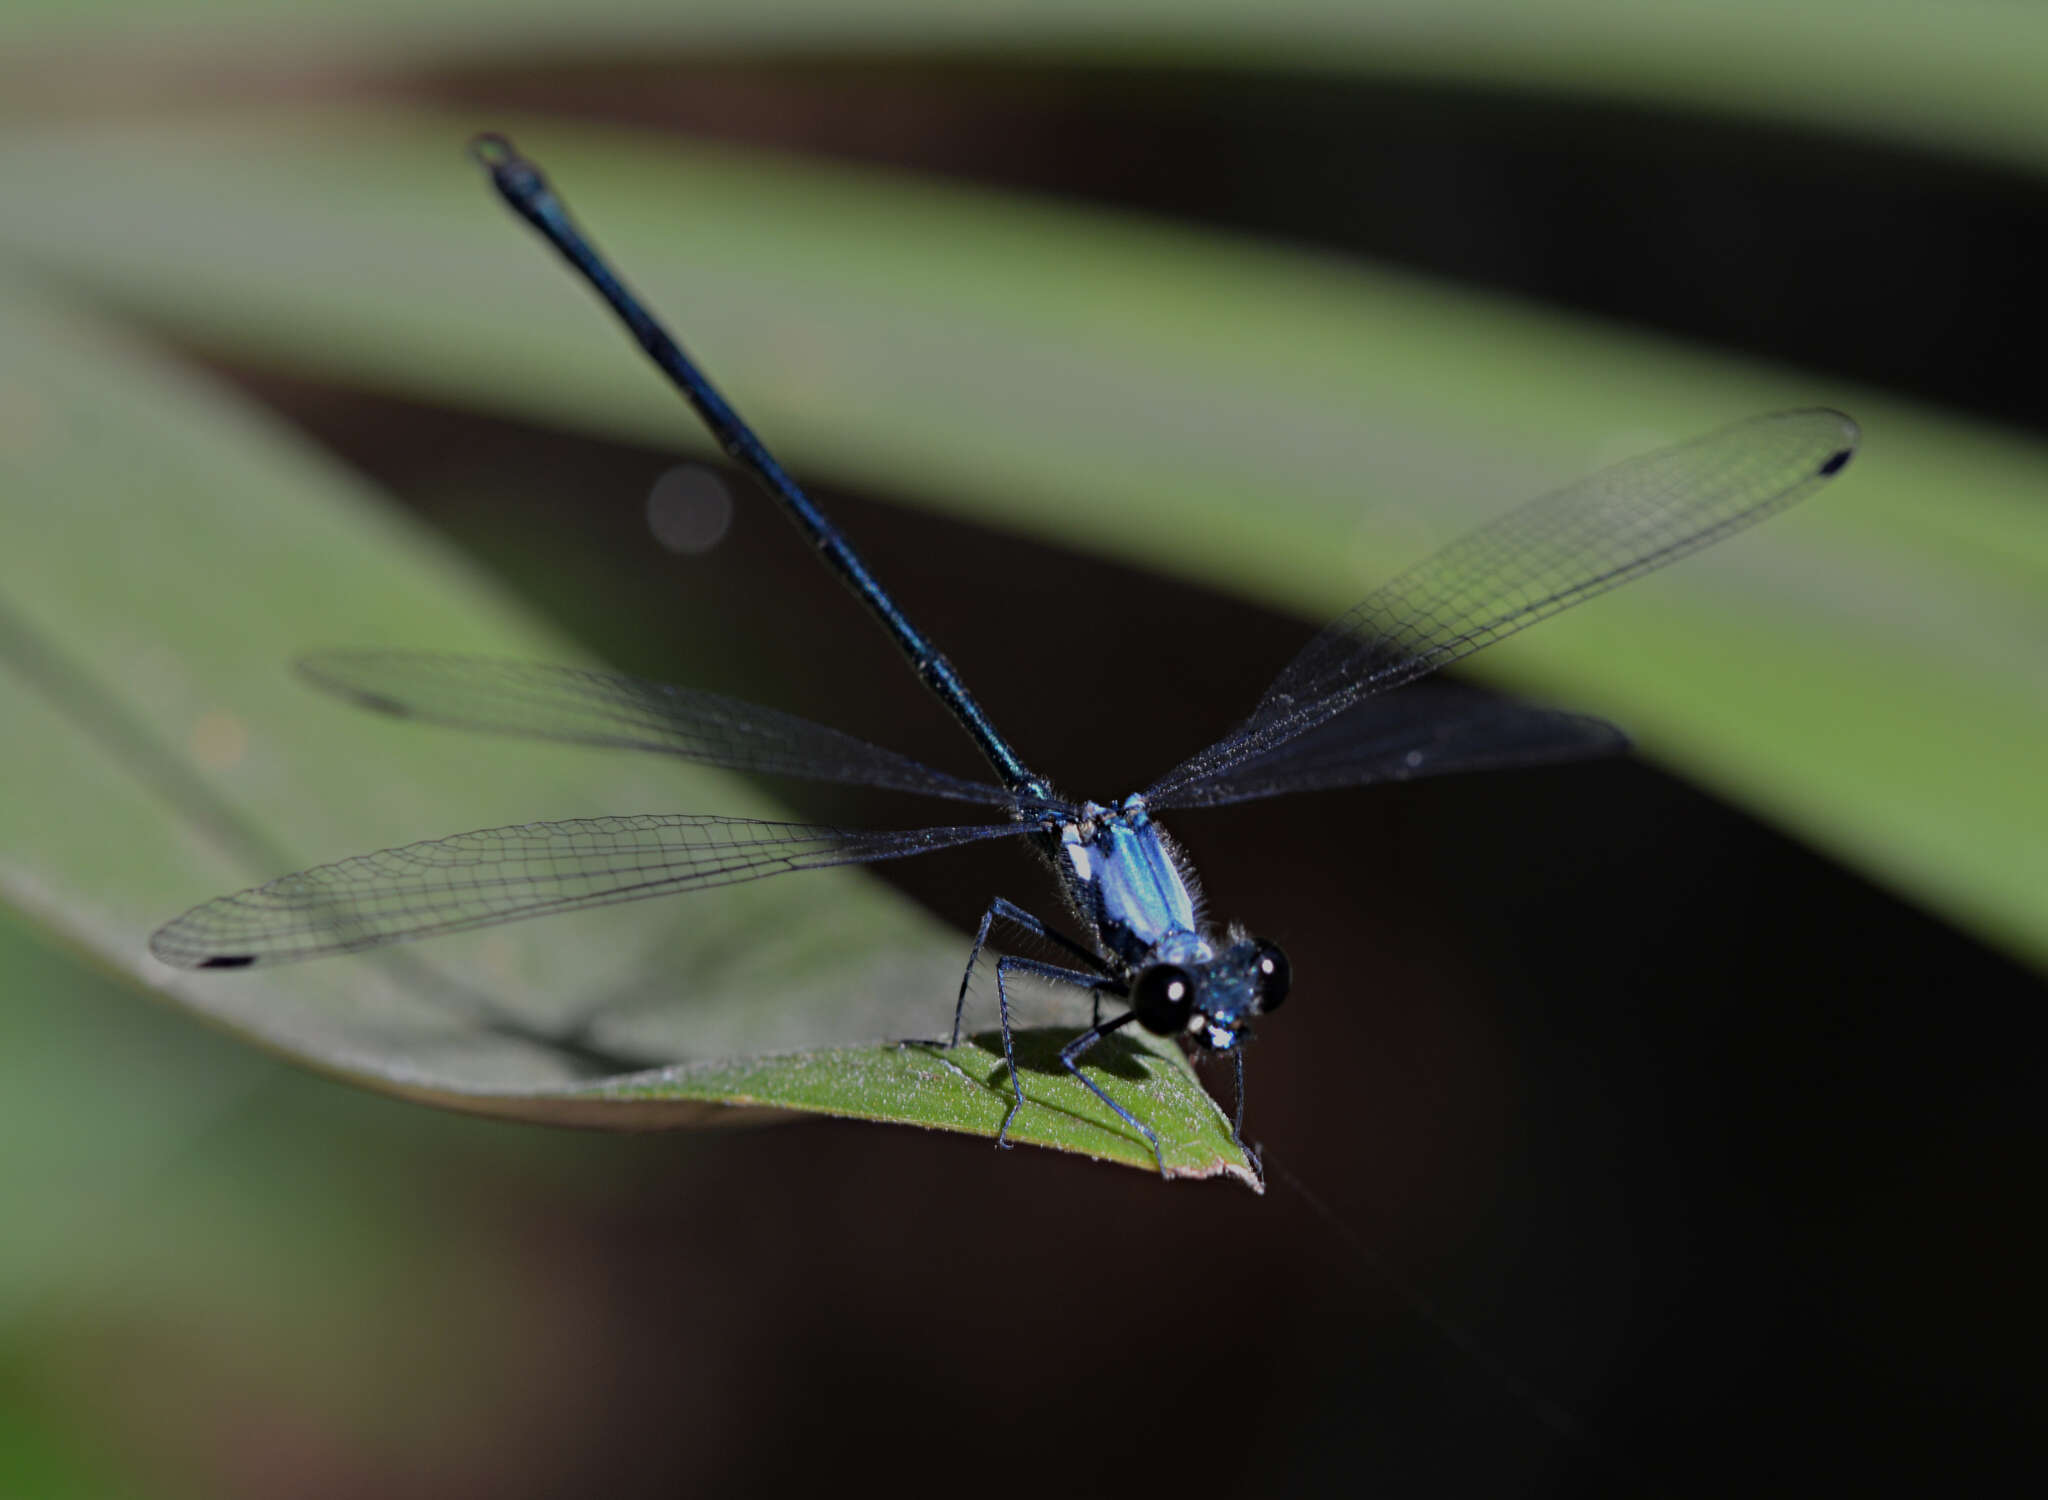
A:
[(163, 550), (43, 1450), (1963, 75), (178, 1201), (1870, 672)]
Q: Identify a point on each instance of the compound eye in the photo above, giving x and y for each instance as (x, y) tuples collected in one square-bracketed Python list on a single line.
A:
[(1164, 998), (1271, 976)]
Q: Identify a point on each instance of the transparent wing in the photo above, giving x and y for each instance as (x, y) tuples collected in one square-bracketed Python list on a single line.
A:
[(506, 874), (1533, 562), (597, 708), (1431, 729)]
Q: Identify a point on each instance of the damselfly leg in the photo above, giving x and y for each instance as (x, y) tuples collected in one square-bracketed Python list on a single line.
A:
[(1070, 1056), (1004, 910), (1005, 965)]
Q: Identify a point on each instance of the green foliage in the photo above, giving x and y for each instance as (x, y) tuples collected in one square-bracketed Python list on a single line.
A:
[(1866, 672), (246, 1254), (1963, 75), (167, 549)]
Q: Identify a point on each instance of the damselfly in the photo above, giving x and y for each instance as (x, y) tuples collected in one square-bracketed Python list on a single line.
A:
[(1329, 720)]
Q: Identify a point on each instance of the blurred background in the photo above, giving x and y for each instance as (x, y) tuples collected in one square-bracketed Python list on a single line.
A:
[(1688, 1091)]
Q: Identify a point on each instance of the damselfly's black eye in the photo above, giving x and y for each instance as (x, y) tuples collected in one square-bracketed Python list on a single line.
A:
[(1270, 976), (1164, 998)]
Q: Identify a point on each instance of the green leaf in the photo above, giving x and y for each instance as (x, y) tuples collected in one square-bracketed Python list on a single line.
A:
[(1869, 671), (164, 549), (1962, 75)]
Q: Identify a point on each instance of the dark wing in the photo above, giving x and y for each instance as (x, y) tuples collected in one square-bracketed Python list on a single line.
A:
[(1533, 562), (1432, 729), (505, 874), (597, 708)]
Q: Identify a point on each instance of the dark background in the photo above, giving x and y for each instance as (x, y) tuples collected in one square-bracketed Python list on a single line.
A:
[(1659, 1154)]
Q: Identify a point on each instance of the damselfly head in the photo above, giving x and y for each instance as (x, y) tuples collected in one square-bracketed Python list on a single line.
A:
[(1268, 973), (1212, 1001), (1249, 978)]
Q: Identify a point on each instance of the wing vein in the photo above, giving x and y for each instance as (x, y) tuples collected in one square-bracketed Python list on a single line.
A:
[(575, 705), (1529, 564), (498, 875)]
